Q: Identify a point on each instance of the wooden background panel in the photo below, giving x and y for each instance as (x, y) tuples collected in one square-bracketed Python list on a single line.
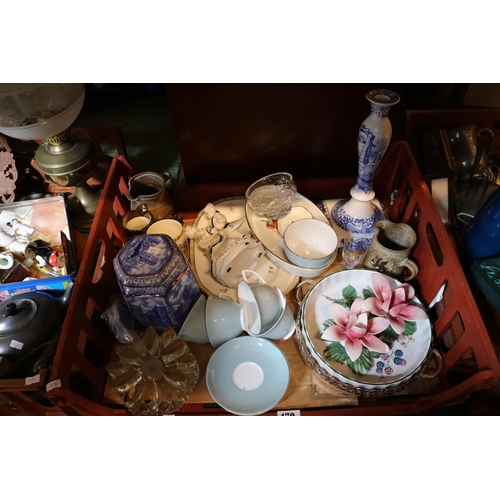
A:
[(241, 132)]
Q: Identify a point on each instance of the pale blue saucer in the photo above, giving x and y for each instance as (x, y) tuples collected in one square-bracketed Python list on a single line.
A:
[(248, 375)]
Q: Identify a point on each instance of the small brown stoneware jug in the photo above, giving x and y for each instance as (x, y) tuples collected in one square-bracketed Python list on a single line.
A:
[(390, 248), (150, 189)]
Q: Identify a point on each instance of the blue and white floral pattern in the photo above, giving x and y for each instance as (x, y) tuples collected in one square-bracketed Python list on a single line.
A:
[(371, 150), (352, 224), (156, 281)]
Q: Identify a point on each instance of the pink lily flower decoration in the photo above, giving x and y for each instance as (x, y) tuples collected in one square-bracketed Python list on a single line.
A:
[(393, 305), (355, 330)]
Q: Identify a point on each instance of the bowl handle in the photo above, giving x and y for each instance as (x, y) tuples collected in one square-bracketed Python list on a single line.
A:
[(439, 365), (299, 286), (257, 275)]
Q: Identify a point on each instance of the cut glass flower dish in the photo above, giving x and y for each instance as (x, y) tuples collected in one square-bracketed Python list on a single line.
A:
[(154, 375)]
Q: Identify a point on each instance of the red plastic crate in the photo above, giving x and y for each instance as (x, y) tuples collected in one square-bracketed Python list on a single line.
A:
[(78, 375), (470, 362), (26, 397), (469, 359)]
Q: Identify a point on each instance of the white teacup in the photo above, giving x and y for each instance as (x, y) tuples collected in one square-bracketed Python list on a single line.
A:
[(270, 305), (252, 322), (270, 301), (284, 329)]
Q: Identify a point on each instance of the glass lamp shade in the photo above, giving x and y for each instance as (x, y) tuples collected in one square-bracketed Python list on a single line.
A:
[(37, 111)]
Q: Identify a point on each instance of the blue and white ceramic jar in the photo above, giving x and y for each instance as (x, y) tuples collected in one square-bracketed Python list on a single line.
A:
[(357, 215), (156, 281)]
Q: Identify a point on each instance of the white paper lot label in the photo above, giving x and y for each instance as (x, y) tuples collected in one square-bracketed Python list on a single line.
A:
[(16, 345), (53, 385), (289, 413), (32, 380)]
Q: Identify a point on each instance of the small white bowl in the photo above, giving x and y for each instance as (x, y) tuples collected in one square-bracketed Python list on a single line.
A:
[(295, 214), (310, 243)]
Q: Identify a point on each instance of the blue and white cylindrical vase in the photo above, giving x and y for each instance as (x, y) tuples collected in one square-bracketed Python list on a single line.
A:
[(357, 215)]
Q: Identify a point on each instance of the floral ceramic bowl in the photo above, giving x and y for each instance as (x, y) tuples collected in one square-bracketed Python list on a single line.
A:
[(366, 329)]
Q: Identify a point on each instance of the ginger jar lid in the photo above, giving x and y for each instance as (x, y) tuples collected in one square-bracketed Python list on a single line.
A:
[(147, 259)]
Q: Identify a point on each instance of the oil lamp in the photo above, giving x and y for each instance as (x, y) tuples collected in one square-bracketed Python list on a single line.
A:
[(45, 112)]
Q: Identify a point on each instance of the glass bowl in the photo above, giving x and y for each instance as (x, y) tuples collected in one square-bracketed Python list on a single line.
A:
[(154, 375), (272, 195)]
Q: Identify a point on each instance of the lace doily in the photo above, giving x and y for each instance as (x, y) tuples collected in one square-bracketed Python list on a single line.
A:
[(8, 172)]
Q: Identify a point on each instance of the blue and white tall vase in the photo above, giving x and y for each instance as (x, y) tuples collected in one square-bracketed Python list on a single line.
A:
[(356, 216)]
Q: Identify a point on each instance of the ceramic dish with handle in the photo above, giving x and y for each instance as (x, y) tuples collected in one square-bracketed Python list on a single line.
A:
[(267, 232), (408, 351), (325, 372), (248, 376), (234, 209)]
